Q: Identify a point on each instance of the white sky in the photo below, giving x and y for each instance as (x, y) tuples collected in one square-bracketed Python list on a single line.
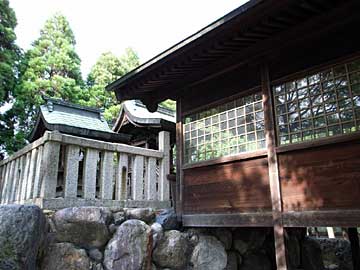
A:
[(148, 26)]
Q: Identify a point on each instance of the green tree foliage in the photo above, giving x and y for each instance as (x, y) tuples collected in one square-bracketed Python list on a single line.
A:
[(9, 52), (169, 103), (9, 56), (51, 68), (107, 69)]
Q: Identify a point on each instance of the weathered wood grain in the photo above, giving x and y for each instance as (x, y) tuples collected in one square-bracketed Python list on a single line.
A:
[(234, 187), (323, 178)]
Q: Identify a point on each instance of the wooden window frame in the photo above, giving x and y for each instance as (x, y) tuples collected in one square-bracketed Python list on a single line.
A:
[(318, 142), (231, 157)]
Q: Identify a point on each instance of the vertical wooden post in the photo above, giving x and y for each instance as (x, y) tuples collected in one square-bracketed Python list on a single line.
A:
[(137, 178), (50, 166), (179, 160), (150, 179), (89, 173), (121, 178), (355, 250), (164, 146), (330, 231), (71, 168), (273, 170), (106, 175)]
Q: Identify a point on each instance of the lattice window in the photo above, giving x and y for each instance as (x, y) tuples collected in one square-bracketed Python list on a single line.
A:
[(231, 128), (320, 105)]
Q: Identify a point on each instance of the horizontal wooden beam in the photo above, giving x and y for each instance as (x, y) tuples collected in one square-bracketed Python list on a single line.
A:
[(238, 157), (334, 218), (343, 138), (263, 219)]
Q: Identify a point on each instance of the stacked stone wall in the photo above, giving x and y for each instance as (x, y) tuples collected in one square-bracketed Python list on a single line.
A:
[(99, 238)]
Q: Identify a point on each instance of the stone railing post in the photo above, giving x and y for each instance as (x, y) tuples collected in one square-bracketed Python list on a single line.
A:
[(121, 192), (106, 175), (137, 178), (71, 170), (50, 163), (164, 146)]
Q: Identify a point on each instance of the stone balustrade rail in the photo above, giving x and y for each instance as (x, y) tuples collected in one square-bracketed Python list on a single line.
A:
[(61, 170)]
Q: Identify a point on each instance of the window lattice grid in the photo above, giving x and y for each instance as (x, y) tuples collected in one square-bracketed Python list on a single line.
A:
[(320, 105), (231, 128)]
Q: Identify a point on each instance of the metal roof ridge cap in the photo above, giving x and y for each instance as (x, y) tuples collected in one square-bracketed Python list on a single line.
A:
[(73, 105)]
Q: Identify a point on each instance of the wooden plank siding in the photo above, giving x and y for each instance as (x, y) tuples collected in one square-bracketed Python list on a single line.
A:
[(227, 188), (322, 178)]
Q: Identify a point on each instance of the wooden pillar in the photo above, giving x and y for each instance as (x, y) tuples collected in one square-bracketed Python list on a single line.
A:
[(355, 250), (179, 161), (274, 179), (330, 232), (164, 146)]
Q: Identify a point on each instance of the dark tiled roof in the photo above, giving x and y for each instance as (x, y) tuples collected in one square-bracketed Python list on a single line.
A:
[(135, 112), (74, 119), (62, 113)]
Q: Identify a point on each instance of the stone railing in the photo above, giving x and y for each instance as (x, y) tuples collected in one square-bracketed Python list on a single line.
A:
[(60, 170)]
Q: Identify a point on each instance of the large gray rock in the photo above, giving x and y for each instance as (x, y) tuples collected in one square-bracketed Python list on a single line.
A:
[(157, 232), (256, 261), (208, 254), (129, 248), (311, 255), (193, 234), (144, 214), (83, 226), (336, 253), (22, 232), (172, 251), (62, 256), (95, 254), (225, 236), (249, 239), (232, 261), (168, 219), (119, 217)]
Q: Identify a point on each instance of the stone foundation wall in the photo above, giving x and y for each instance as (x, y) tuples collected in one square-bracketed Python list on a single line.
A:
[(99, 238)]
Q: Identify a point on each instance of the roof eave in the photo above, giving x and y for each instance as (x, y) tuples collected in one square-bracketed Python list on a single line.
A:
[(167, 54)]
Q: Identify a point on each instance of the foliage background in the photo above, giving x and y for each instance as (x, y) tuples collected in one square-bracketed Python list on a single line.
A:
[(51, 68)]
